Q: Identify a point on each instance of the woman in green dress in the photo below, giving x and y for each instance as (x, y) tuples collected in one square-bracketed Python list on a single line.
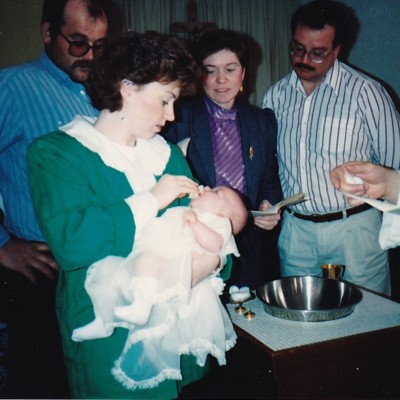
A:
[(95, 182)]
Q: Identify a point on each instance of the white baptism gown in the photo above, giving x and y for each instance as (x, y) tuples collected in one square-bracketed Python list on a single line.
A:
[(183, 320)]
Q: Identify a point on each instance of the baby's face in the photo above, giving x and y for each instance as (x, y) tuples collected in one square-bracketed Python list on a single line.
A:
[(211, 200)]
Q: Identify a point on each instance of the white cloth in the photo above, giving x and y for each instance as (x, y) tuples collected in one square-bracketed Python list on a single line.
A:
[(389, 236), (183, 320)]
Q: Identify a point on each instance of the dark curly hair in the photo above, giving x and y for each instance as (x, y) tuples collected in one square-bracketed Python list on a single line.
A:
[(221, 39), (141, 58), (318, 13)]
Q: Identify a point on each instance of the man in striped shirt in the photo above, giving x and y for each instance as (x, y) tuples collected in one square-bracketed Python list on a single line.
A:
[(328, 114), (36, 98)]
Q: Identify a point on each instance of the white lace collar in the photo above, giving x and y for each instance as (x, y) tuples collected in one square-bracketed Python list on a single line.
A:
[(140, 163)]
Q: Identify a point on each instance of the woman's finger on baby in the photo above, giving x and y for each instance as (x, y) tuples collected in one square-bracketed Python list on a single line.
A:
[(189, 183), (187, 187)]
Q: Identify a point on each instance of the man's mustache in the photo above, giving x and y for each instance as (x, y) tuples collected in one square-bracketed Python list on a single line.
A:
[(304, 66), (81, 64)]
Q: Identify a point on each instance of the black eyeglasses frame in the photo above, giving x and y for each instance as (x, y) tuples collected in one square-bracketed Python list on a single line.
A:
[(82, 47)]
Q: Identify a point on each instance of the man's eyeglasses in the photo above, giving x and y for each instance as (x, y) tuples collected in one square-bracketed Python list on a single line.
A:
[(317, 56), (78, 48)]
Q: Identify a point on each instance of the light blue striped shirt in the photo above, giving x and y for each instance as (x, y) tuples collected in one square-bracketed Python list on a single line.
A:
[(35, 98), (349, 117)]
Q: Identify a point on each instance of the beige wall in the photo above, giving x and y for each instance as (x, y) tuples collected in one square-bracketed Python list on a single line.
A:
[(20, 38)]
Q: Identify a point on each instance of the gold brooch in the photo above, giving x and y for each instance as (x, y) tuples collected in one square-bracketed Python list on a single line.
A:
[(251, 152)]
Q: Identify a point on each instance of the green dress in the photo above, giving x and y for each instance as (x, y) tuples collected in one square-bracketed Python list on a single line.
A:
[(81, 208)]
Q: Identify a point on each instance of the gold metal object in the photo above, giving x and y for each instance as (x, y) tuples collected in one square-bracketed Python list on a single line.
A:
[(332, 271), (251, 153), (240, 309), (249, 315)]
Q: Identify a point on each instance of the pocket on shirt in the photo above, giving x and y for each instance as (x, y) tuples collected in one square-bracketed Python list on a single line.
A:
[(337, 137)]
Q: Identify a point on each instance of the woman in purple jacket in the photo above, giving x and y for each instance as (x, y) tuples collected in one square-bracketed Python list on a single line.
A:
[(231, 143)]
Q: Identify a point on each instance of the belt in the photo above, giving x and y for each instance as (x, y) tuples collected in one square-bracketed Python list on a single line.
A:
[(331, 216)]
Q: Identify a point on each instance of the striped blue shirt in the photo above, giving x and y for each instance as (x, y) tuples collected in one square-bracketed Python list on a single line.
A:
[(348, 117), (35, 98)]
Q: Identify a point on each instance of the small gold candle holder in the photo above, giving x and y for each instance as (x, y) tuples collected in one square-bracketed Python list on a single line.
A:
[(249, 315), (240, 309)]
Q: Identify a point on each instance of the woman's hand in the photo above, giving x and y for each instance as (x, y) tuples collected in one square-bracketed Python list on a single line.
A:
[(267, 222), (171, 187)]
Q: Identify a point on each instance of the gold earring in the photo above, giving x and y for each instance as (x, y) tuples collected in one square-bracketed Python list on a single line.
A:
[(241, 88)]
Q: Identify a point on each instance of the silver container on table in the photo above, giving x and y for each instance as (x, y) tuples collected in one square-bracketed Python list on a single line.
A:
[(309, 298)]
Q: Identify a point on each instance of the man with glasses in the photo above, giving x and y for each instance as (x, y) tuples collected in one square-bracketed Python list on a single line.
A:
[(36, 98), (328, 114)]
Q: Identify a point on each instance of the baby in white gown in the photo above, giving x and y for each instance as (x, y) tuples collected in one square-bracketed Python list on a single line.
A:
[(150, 291)]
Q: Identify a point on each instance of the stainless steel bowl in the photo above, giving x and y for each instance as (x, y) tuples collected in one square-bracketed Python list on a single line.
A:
[(308, 298)]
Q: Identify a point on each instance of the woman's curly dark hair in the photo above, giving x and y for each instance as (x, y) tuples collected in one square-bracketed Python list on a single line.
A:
[(141, 58), (221, 39)]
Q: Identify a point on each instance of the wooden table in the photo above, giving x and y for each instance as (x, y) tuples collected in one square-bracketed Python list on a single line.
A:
[(354, 357)]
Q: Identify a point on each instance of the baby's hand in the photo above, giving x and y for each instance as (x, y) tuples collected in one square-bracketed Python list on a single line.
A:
[(189, 217)]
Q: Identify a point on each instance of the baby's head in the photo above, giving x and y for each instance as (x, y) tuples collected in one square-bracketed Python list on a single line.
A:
[(225, 202)]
